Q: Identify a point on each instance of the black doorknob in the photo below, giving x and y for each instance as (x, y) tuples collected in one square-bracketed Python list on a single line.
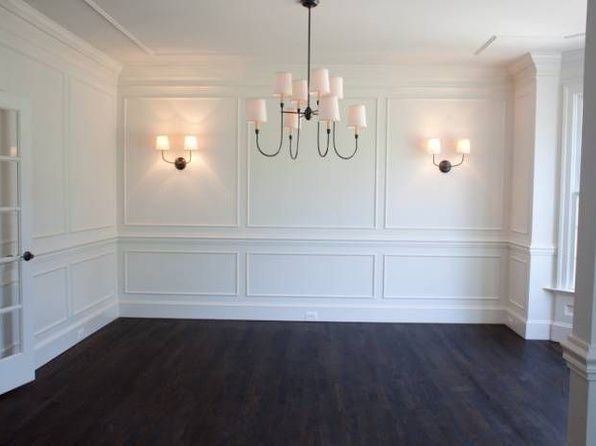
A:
[(27, 255)]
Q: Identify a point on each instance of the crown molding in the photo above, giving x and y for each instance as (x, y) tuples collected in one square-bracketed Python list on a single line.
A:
[(536, 64), (44, 24), (119, 27)]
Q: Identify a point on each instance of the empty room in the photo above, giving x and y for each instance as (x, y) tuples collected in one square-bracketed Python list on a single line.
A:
[(297, 222)]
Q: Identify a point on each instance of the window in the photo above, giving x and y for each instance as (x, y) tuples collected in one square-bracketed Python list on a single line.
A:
[(570, 172)]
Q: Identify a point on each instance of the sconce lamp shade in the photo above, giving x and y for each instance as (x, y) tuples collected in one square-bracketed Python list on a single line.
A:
[(256, 111), (300, 92), (329, 109), (433, 145), (282, 86), (162, 142), (190, 142), (319, 82), (336, 86), (357, 117), (463, 146)]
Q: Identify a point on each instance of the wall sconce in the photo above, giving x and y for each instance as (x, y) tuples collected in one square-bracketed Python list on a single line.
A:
[(433, 146), (162, 143)]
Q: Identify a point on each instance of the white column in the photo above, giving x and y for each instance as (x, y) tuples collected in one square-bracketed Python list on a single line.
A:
[(580, 350), (534, 193)]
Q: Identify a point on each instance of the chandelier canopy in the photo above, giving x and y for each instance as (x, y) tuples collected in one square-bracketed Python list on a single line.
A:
[(296, 97)]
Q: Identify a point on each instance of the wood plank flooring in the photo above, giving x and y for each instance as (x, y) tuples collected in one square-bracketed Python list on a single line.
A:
[(178, 382)]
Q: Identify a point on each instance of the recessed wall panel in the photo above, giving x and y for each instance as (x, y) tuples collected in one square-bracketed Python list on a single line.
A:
[(203, 194), (92, 157), (439, 277), (185, 273), (50, 294), (310, 275), (93, 280), (418, 196), (310, 191)]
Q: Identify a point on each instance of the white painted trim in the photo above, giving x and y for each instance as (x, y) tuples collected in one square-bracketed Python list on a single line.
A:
[(560, 331), (326, 312)]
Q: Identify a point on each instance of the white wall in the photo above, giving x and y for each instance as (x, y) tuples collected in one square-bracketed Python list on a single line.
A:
[(384, 237), (72, 91)]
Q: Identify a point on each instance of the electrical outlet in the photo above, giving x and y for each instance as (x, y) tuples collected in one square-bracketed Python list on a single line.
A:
[(311, 316)]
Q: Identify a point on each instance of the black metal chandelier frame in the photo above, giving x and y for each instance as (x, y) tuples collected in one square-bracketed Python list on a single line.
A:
[(308, 113)]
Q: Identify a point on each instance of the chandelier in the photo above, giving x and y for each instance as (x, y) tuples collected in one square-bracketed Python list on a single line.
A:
[(299, 96)]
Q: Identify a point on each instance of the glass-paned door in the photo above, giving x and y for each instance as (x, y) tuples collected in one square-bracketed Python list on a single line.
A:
[(16, 349)]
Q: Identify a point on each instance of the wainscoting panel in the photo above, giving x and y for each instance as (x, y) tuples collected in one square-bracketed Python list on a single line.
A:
[(93, 281), (51, 295), (468, 277), (518, 282), (312, 280), (310, 275), (192, 273)]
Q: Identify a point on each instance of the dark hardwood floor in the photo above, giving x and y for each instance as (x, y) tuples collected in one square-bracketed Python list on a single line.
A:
[(173, 382)]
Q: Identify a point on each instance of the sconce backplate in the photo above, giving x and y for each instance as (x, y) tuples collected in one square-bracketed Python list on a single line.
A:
[(445, 166), (180, 163)]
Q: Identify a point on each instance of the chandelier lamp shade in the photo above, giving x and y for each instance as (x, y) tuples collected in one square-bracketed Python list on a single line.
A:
[(301, 100)]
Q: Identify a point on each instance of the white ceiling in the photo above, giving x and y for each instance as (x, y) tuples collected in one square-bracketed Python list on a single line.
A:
[(344, 31)]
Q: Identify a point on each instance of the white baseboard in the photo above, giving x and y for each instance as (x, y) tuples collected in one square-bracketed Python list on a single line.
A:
[(57, 344), (529, 330), (318, 312), (560, 331)]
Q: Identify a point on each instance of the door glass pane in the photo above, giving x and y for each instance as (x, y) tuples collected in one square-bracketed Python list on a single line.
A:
[(9, 285), (8, 183), (8, 133), (10, 333), (9, 234)]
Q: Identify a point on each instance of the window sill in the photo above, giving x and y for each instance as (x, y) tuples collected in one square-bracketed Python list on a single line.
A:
[(567, 291)]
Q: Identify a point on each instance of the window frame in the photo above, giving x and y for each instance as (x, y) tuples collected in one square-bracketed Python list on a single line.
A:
[(569, 185)]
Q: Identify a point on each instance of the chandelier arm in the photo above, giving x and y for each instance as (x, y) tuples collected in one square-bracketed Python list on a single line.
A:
[(349, 157), (281, 136), (292, 155), (322, 155)]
